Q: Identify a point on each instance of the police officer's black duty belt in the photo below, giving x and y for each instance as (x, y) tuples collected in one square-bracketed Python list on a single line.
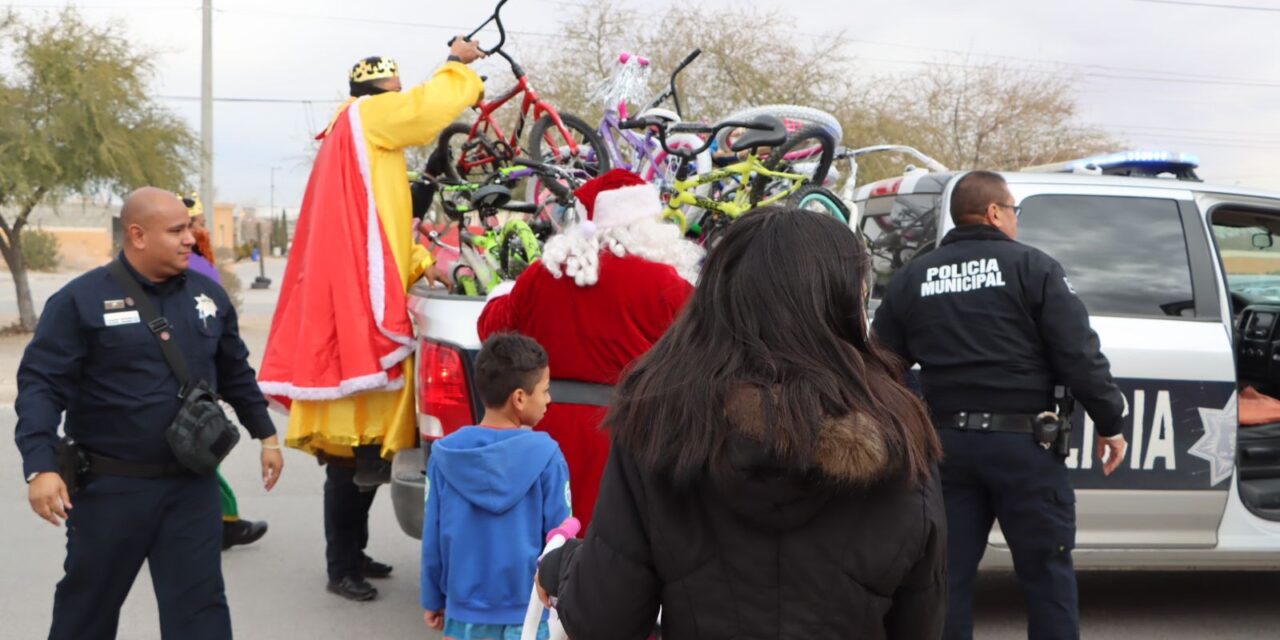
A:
[(975, 421), (102, 465)]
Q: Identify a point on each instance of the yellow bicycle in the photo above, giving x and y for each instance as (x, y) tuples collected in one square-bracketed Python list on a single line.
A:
[(765, 165)]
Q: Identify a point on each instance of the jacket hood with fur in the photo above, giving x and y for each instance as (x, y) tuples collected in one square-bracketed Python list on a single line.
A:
[(850, 450)]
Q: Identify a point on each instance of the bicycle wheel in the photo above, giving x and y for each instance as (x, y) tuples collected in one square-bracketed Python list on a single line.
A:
[(804, 115), (814, 165), (549, 146), (811, 197), (462, 160), (520, 247)]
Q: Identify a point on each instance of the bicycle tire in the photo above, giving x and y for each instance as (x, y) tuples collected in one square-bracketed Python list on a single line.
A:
[(520, 244), (777, 158), (443, 158), (829, 202), (809, 115), (595, 163)]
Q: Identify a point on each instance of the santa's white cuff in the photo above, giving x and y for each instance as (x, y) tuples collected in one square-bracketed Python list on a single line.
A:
[(504, 288)]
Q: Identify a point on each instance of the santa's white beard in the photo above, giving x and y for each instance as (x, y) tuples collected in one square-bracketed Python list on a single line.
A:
[(577, 256)]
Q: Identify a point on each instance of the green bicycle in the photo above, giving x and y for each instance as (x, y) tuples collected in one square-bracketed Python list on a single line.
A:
[(751, 179), (504, 249)]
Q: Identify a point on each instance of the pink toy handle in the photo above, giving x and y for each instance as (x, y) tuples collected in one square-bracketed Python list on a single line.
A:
[(568, 529), (625, 57)]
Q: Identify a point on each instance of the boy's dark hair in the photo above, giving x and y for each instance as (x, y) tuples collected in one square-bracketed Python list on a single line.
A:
[(508, 361)]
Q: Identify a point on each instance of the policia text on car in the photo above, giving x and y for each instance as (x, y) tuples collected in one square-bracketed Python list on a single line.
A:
[(97, 358), (995, 326)]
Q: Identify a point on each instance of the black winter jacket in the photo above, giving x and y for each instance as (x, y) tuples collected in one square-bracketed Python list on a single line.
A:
[(846, 549), (995, 324)]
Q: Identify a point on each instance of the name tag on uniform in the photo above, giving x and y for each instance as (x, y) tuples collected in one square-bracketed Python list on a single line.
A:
[(121, 317)]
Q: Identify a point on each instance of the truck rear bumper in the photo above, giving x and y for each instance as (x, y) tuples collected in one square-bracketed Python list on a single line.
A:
[(408, 479)]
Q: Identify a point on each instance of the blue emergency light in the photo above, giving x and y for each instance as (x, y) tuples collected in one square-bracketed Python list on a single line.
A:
[(1138, 163)]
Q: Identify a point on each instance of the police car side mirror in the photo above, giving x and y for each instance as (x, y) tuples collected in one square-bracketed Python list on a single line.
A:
[(1263, 240)]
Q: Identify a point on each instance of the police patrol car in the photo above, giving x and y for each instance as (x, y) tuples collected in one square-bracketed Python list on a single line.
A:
[(1182, 282)]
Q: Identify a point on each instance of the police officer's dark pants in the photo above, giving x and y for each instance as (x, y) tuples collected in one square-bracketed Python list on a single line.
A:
[(346, 521), (1008, 477), (175, 524)]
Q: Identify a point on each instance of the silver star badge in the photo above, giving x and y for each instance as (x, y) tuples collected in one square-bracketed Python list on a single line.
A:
[(1218, 444), (205, 308)]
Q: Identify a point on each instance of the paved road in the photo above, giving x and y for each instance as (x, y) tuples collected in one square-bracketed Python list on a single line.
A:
[(276, 587)]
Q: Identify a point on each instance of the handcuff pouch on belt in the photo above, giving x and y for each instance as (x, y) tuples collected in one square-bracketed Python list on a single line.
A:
[(1052, 429)]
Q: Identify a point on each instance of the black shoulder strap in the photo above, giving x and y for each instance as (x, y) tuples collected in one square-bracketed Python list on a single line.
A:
[(155, 322)]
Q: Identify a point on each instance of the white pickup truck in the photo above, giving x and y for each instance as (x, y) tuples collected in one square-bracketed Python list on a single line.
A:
[(447, 347), (1182, 280)]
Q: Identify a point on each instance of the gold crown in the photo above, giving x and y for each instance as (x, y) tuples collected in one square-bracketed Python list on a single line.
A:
[(374, 69), (192, 203)]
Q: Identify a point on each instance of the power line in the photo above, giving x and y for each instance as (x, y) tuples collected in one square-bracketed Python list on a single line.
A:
[(141, 7), (1234, 7), (377, 21), (252, 100)]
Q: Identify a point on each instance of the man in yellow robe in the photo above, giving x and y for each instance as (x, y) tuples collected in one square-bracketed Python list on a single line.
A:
[(367, 415)]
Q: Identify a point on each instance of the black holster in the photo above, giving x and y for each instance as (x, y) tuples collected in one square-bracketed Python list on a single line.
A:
[(72, 463)]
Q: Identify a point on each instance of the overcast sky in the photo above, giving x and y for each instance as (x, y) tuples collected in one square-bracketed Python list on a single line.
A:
[(1161, 74)]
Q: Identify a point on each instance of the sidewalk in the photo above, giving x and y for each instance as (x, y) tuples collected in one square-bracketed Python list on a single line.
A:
[(255, 315)]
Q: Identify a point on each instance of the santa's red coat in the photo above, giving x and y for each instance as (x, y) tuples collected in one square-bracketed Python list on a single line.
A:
[(591, 334)]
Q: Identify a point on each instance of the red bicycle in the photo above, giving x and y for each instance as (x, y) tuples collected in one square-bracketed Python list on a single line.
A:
[(472, 152)]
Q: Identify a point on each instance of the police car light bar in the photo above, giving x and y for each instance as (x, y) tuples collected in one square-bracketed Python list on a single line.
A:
[(1128, 163)]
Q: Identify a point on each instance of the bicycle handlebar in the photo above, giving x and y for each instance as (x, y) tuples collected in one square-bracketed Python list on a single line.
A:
[(710, 131), (671, 90), (693, 55), (496, 18)]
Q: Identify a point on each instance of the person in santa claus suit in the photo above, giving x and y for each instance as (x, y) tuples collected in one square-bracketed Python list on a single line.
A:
[(604, 291)]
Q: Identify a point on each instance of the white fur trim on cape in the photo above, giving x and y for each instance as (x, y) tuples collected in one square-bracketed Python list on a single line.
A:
[(625, 206), (373, 233), (578, 257), (372, 382)]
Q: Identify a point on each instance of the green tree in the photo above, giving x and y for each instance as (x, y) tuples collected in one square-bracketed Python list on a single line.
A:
[(75, 118)]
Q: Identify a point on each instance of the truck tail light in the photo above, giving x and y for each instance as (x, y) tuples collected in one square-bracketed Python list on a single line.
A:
[(444, 391)]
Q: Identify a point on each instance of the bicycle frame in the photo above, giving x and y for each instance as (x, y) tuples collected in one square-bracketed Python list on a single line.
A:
[(683, 191), (485, 124)]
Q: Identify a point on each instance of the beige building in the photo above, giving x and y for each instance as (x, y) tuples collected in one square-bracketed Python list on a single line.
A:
[(222, 225)]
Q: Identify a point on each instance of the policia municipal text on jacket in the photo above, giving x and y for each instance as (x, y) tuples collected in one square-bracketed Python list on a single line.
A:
[(770, 477), (97, 360), (995, 325)]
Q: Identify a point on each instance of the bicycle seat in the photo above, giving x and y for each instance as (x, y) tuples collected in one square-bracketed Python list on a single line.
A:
[(666, 115), (772, 136), (491, 196)]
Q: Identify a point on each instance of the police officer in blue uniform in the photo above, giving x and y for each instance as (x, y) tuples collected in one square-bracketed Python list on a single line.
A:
[(94, 358), (995, 325)]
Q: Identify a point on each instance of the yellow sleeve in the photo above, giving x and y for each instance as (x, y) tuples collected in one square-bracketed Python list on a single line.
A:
[(421, 259), (400, 119)]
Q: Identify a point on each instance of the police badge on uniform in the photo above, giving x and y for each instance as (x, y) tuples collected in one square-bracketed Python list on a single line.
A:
[(205, 308)]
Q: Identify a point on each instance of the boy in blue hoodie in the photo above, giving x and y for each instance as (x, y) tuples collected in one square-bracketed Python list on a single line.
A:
[(494, 491)]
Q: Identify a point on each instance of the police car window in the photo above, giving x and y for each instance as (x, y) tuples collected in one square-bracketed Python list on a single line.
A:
[(1125, 256), (896, 229), (1251, 258)]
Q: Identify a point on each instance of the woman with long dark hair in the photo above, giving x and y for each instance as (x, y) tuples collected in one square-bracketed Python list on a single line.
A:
[(771, 477)]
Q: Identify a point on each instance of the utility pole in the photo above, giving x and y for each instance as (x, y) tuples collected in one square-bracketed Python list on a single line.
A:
[(262, 281), (206, 117)]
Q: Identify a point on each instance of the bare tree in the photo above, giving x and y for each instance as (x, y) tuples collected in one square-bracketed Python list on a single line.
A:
[(991, 116)]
